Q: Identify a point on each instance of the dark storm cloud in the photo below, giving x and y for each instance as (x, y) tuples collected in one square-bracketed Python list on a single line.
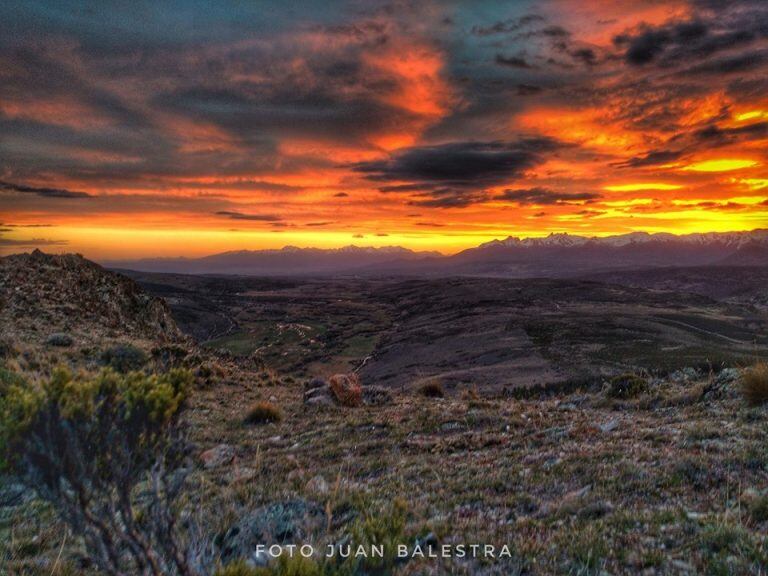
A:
[(460, 164), (340, 195), (707, 138), (585, 56), (450, 199), (653, 158), (544, 196), (731, 64), (528, 90), (457, 174), (31, 243), (507, 26), (512, 61), (44, 192), (756, 131), (727, 27), (255, 217)]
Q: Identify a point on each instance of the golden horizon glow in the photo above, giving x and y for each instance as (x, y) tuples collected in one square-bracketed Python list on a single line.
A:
[(433, 128), (721, 165), (637, 187)]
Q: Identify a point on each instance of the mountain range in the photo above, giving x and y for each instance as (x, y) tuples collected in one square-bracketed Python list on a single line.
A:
[(556, 255)]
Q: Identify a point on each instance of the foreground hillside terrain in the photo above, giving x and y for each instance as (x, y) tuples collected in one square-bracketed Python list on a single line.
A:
[(497, 421)]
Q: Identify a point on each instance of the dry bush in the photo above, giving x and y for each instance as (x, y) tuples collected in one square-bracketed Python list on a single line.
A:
[(263, 413), (432, 389), (754, 384), (346, 388)]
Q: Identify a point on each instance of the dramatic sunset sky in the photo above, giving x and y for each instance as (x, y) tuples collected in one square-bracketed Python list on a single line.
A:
[(187, 128)]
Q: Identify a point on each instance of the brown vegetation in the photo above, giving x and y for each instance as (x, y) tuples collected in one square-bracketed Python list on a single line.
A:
[(754, 384)]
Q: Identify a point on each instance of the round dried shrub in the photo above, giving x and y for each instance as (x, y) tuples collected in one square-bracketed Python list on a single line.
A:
[(627, 386)]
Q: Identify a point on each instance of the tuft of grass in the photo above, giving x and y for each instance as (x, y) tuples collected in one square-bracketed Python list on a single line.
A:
[(754, 384), (124, 358), (757, 509), (263, 413), (432, 389), (627, 386), (59, 339)]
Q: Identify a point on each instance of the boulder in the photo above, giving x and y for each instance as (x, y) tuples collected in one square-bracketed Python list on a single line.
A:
[(289, 522), (318, 393)]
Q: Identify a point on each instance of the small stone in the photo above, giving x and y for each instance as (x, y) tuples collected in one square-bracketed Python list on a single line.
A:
[(595, 509), (681, 565), (295, 475), (242, 474), (317, 485), (217, 456), (609, 426)]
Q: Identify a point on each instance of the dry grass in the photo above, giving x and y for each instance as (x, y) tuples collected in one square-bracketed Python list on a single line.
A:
[(754, 384), (263, 413)]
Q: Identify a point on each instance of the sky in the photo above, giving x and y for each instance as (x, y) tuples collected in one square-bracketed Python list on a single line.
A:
[(138, 129)]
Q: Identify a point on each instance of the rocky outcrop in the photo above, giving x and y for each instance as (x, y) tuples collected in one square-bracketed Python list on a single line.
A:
[(42, 295)]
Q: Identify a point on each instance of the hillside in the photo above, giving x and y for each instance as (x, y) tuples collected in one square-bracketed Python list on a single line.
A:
[(583, 475), (43, 294)]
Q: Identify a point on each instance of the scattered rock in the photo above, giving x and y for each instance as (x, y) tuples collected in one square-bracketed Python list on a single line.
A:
[(428, 541), (242, 474), (295, 475), (13, 493), (318, 393), (609, 426), (217, 456), (684, 375), (596, 509), (279, 523), (317, 485)]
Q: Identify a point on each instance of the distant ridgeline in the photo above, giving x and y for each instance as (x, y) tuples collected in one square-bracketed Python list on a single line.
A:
[(556, 255)]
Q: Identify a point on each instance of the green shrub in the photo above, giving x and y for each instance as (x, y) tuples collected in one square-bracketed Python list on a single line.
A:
[(85, 443), (9, 378), (757, 508), (627, 386), (754, 384), (295, 565), (124, 358), (432, 389), (263, 413)]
